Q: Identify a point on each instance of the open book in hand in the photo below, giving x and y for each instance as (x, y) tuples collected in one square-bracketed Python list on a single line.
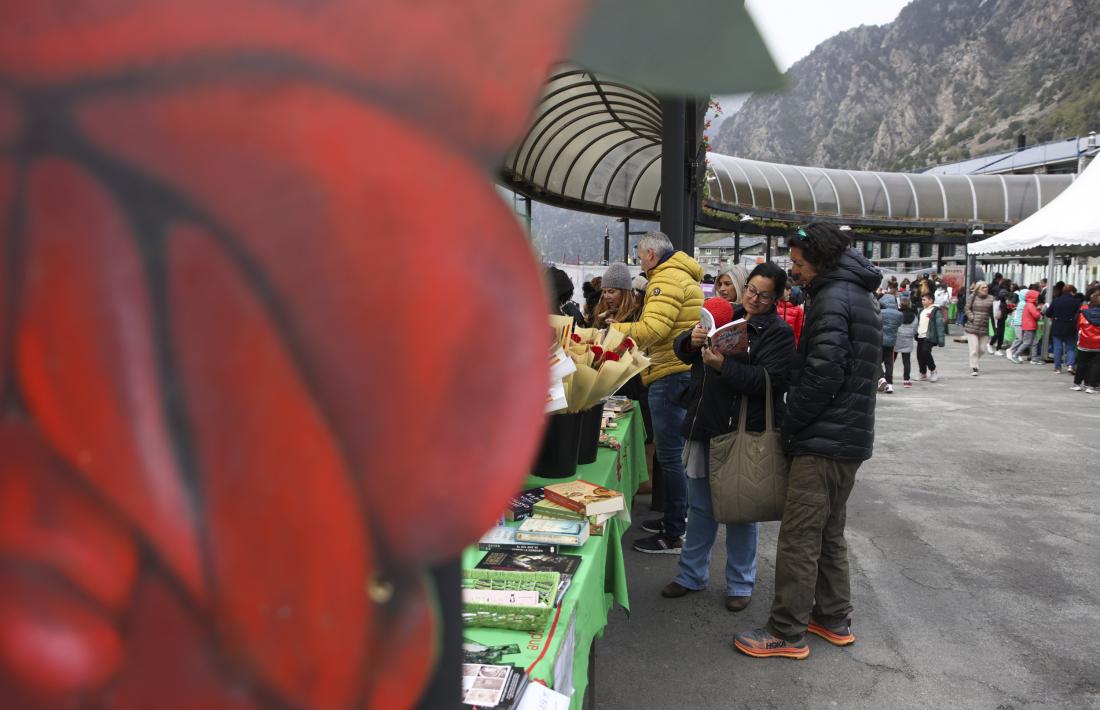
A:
[(730, 339)]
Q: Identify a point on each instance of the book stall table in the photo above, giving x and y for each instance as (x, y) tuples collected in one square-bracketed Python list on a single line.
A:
[(560, 653)]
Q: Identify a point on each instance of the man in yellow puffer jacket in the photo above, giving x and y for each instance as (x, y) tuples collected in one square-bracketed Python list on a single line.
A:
[(672, 301)]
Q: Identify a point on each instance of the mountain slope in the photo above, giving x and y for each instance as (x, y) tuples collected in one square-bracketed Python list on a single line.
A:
[(946, 79)]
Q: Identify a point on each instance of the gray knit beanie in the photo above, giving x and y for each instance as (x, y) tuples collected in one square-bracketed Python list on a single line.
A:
[(617, 276)]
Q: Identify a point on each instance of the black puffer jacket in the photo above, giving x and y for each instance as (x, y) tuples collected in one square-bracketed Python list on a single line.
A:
[(831, 403), (715, 403)]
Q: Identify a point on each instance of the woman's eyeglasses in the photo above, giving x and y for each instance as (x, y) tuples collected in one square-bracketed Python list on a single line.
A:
[(764, 297)]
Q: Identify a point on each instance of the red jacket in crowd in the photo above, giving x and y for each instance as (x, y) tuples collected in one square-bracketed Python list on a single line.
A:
[(1029, 320), (794, 315), (1088, 329)]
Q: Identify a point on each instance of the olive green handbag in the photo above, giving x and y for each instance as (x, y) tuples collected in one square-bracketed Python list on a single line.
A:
[(748, 470)]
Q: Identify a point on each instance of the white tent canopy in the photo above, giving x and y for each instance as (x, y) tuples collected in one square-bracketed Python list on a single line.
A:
[(1070, 223)]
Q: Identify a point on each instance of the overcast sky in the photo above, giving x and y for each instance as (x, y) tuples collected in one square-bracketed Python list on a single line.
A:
[(792, 28)]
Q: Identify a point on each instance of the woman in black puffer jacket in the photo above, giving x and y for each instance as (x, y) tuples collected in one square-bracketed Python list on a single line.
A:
[(718, 384)]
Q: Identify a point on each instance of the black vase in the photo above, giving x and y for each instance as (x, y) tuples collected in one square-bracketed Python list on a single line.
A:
[(590, 435), (560, 446)]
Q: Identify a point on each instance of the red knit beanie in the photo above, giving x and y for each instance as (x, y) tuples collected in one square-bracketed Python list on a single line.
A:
[(720, 309)]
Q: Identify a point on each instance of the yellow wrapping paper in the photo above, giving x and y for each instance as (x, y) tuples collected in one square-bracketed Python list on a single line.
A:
[(583, 381)]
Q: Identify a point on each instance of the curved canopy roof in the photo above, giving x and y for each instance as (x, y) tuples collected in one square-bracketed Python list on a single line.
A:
[(796, 192), (595, 145)]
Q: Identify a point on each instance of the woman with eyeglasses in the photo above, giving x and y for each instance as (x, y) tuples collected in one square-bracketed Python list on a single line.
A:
[(717, 386)]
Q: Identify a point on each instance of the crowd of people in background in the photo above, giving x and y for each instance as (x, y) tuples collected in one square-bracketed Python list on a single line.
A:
[(915, 316), (820, 335)]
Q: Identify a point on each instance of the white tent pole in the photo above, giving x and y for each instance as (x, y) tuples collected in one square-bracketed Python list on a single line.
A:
[(1050, 297)]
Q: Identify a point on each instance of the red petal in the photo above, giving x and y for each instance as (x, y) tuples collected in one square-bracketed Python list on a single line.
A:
[(405, 652), (48, 519), (470, 70), (286, 532), (7, 189), (171, 663), (87, 361), (50, 638), (323, 193)]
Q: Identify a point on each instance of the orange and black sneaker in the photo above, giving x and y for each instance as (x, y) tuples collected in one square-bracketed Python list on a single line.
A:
[(760, 643), (837, 634)]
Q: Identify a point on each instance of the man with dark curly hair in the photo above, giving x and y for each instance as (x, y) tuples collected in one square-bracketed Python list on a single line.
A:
[(828, 432)]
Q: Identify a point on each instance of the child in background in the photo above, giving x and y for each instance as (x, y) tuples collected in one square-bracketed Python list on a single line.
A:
[(906, 337), (1029, 324), (891, 320), (929, 335)]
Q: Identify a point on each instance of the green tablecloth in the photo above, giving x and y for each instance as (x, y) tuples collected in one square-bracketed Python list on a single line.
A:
[(601, 578)]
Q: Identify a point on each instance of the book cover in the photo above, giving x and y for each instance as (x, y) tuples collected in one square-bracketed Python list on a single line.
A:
[(531, 562), (565, 565), (502, 537), (520, 506), (547, 508), (485, 685), (585, 497), (732, 338), (563, 532)]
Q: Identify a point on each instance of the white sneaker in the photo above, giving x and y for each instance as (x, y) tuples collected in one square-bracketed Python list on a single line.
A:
[(989, 349), (973, 372), (1077, 388), (882, 384), (1000, 353), (934, 376), (1090, 390), (889, 389), (1015, 359)]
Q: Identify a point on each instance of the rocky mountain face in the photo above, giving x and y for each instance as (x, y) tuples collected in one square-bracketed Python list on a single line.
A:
[(946, 80)]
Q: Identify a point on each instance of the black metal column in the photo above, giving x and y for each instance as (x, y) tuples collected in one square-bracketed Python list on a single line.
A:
[(681, 156), (626, 240)]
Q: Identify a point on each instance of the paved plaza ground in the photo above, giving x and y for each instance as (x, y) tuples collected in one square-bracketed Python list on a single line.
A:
[(974, 540)]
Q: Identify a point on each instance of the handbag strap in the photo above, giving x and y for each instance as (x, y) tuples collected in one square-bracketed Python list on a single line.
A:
[(769, 421)]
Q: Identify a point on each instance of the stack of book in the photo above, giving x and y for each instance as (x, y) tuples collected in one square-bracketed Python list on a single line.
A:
[(550, 510), (496, 687), (580, 500)]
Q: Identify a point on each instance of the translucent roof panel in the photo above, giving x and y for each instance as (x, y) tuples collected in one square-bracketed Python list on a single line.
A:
[(798, 193), (594, 143)]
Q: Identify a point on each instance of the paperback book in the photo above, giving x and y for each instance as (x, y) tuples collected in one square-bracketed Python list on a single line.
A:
[(503, 537), (730, 339), (520, 506), (565, 565), (585, 497), (492, 686), (546, 530)]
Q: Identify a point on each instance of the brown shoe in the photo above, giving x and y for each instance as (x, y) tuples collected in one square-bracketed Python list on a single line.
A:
[(675, 590), (737, 603)]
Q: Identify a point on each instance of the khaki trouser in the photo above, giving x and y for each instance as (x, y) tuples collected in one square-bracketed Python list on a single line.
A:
[(811, 562), (976, 345)]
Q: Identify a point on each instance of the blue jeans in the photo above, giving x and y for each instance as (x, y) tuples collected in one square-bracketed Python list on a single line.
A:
[(668, 420), (702, 530), (1066, 345)]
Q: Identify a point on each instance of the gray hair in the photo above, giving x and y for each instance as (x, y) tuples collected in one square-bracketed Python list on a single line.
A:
[(657, 241)]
